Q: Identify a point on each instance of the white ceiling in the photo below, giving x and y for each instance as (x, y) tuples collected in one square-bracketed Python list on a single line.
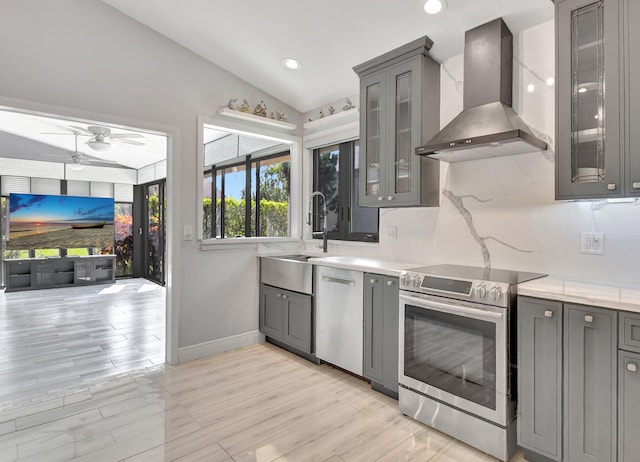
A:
[(329, 37)]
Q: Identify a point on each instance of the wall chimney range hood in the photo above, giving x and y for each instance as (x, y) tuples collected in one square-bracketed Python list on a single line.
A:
[(488, 126)]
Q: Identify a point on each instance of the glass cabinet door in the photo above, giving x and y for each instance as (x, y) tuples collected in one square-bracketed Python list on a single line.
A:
[(588, 137), (372, 118), (587, 94), (373, 139), (403, 151)]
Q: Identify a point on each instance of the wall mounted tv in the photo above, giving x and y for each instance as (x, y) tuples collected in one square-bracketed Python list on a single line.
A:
[(38, 221)]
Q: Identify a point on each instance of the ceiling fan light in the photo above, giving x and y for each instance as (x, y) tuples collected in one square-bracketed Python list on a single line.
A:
[(99, 145), (76, 166)]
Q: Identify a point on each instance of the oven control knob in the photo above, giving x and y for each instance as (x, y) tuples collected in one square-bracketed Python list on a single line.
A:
[(417, 280), (495, 293), (405, 280), (481, 291)]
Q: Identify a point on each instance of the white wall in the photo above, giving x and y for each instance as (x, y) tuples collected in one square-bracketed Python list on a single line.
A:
[(502, 211), (82, 58)]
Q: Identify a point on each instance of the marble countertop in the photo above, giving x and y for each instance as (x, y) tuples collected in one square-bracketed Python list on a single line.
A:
[(625, 297), (388, 268), (373, 265)]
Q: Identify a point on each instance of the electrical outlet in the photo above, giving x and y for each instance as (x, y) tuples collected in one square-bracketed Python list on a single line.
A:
[(391, 233), (592, 243)]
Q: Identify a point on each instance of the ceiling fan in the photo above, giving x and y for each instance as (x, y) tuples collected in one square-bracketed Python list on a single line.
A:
[(101, 137), (77, 159)]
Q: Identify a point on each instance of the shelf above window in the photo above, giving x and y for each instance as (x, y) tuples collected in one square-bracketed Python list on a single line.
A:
[(334, 120), (251, 118)]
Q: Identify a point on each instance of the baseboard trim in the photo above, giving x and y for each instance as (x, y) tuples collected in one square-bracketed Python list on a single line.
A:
[(215, 347)]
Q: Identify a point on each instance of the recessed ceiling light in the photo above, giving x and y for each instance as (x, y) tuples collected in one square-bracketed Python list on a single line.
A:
[(531, 88), (582, 90), (550, 81), (435, 6), (291, 63)]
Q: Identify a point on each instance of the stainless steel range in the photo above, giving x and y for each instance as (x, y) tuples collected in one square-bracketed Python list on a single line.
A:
[(457, 369)]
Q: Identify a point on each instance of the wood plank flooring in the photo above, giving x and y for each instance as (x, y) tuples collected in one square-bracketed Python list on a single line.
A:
[(57, 341), (258, 403)]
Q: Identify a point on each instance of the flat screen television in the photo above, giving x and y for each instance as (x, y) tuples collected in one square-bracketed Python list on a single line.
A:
[(39, 221)]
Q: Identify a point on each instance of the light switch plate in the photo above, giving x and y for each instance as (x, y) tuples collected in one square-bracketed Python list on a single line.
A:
[(187, 232), (592, 243), (391, 233)]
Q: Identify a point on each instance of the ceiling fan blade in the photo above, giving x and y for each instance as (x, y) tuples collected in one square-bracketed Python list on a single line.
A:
[(82, 130), (135, 143), (127, 135)]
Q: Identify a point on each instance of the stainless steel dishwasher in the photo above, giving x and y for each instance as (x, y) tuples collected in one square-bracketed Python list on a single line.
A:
[(339, 299)]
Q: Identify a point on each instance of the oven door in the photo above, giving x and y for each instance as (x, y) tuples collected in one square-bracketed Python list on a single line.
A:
[(456, 353)]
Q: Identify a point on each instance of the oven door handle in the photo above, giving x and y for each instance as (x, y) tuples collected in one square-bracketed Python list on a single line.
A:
[(452, 309)]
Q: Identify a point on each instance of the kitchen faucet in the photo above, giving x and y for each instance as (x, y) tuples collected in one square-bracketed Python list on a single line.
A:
[(324, 218)]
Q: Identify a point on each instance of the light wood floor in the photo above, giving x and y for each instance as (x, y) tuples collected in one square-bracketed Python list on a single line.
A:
[(57, 341), (258, 403)]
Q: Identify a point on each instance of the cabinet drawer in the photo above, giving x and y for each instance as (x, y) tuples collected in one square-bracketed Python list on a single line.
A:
[(630, 332)]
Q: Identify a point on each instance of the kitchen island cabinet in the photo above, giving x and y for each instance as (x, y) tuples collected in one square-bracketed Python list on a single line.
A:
[(399, 111), (381, 324)]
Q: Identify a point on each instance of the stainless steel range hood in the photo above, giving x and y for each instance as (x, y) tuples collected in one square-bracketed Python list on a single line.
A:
[(488, 126)]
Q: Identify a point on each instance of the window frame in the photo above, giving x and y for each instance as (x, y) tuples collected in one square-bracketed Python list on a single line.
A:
[(248, 162), (346, 174)]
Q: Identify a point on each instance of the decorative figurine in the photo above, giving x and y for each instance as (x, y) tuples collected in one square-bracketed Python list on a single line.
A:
[(282, 117), (310, 119), (347, 105), (231, 103), (271, 116), (332, 110), (321, 113), (261, 109), (244, 107)]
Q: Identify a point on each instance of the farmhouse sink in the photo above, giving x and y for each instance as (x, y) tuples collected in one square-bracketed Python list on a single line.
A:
[(291, 272)]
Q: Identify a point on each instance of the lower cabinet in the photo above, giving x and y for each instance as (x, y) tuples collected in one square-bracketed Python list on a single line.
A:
[(287, 317), (381, 303), (567, 382), (540, 377), (590, 384), (629, 387)]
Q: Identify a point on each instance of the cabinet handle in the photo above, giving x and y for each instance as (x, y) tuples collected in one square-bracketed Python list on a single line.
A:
[(636, 185), (284, 296), (389, 283), (380, 198), (278, 295), (632, 367), (588, 318), (611, 186), (548, 314), (390, 198), (372, 281)]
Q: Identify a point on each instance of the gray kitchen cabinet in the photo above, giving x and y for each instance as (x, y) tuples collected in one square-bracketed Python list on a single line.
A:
[(540, 377), (399, 111), (287, 317), (631, 58), (381, 302), (271, 308), (628, 406), (590, 384), (597, 145)]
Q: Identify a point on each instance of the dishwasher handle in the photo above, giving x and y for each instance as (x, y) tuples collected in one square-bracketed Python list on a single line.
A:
[(346, 282)]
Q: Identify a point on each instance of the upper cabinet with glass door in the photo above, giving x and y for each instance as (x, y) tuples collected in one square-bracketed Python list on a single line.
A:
[(399, 110), (589, 143)]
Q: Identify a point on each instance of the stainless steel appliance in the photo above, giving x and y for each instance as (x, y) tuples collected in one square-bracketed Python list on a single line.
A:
[(488, 126), (457, 365), (339, 303)]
